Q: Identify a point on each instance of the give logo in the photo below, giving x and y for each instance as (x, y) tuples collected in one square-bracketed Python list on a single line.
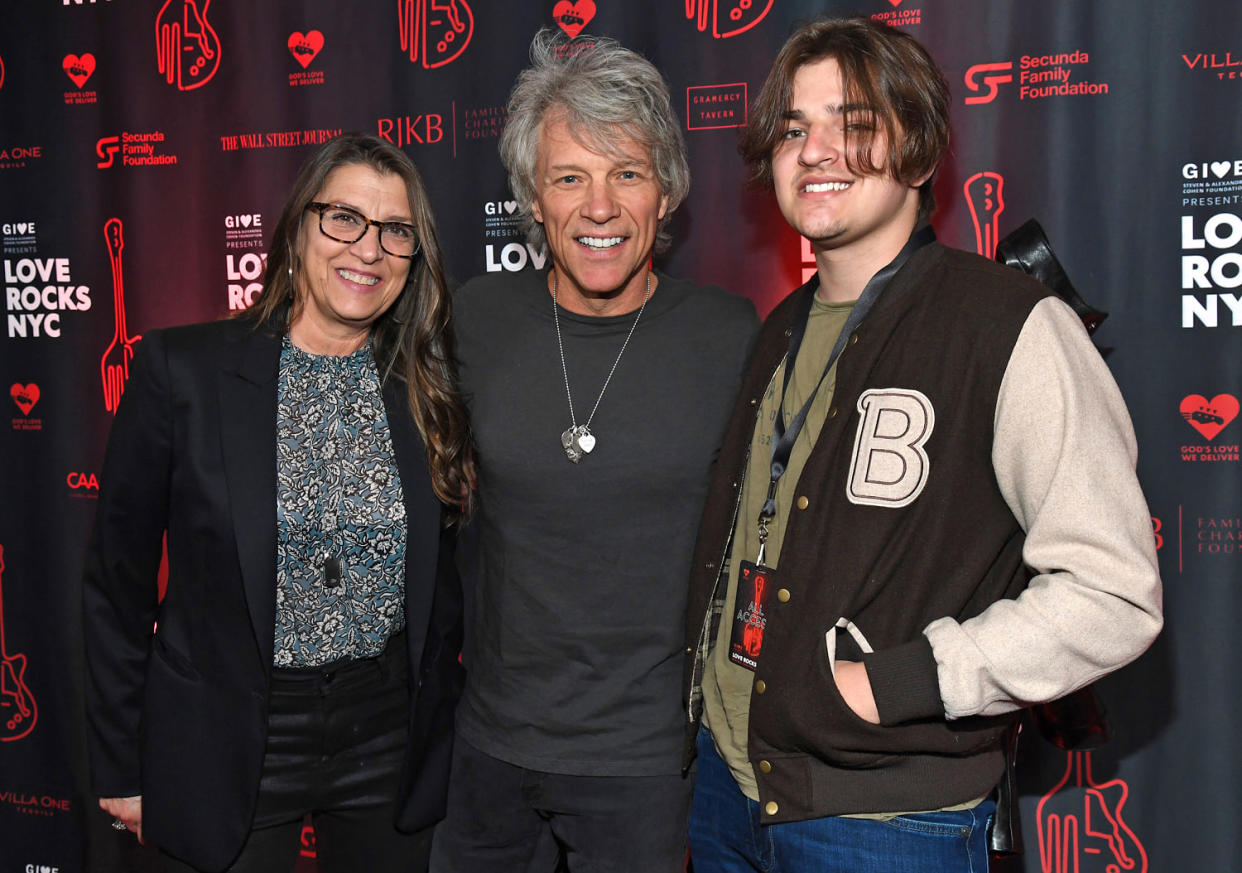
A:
[(304, 47), (1209, 417), (573, 15), (79, 69), (25, 396)]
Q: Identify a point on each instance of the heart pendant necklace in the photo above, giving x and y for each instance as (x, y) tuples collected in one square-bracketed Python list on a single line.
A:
[(577, 440)]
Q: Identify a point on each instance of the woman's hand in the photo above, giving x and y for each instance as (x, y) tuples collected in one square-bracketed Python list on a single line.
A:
[(127, 810)]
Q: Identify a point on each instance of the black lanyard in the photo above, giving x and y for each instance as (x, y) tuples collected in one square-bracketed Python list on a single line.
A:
[(782, 445)]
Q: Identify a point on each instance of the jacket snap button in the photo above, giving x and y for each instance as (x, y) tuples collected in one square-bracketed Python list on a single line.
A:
[(803, 503), (760, 686), (783, 595), (771, 808), (765, 767)]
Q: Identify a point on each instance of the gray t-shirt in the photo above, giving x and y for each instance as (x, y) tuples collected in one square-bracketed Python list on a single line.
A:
[(574, 643)]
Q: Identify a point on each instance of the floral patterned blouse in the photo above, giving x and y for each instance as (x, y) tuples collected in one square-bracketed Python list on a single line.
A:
[(338, 498)]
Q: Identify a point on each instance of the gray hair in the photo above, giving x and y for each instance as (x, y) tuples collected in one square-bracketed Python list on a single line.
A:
[(605, 91)]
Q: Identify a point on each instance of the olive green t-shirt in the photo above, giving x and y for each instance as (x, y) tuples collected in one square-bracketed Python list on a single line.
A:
[(726, 685)]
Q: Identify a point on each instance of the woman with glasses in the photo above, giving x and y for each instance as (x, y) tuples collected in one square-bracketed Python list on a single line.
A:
[(305, 461)]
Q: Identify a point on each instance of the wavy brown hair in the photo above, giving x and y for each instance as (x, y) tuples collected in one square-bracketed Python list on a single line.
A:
[(882, 68), (412, 339)]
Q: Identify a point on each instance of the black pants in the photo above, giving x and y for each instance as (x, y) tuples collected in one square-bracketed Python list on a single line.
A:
[(335, 747), (503, 819)]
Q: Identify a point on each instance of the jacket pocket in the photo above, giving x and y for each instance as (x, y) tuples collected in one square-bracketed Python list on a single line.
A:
[(833, 643), (174, 660)]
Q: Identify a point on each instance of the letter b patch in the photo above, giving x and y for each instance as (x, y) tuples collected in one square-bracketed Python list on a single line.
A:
[(890, 467)]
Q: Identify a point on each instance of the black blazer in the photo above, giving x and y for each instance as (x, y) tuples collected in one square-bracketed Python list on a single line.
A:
[(180, 716)]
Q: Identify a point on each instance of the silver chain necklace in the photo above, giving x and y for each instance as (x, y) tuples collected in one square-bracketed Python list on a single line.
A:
[(578, 440)]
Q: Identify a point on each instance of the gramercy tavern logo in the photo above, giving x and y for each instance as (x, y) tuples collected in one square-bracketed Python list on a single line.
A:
[(186, 46), (726, 18), (993, 75), (434, 32)]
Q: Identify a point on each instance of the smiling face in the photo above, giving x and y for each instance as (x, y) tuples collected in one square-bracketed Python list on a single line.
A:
[(342, 288), (600, 213), (838, 209)]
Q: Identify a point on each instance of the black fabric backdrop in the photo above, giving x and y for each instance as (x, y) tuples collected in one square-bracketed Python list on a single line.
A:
[(146, 146)]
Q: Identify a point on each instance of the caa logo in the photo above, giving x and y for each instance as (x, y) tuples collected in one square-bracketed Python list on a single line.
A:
[(727, 18), (434, 32), (994, 75), (187, 49), (82, 481)]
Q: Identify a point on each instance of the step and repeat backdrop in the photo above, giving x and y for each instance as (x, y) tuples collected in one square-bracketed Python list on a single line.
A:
[(147, 145)]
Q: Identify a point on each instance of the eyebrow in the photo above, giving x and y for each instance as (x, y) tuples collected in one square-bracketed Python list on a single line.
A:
[(404, 219), (833, 109)]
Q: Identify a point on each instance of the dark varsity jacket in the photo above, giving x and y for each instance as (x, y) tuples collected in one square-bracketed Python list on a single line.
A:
[(968, 524)]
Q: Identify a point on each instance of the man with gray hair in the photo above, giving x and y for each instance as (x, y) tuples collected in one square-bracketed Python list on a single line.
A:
[(598, 391)]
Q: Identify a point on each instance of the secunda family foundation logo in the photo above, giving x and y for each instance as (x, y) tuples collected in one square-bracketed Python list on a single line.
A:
[(1036, 77), (126, 149), (1209, 417)]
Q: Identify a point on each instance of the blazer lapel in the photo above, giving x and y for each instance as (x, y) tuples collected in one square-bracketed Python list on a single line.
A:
[(422, 511), (248, 432)]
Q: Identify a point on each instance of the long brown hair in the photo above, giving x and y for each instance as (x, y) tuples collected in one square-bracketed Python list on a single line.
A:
[(412, 339), (882, 68)]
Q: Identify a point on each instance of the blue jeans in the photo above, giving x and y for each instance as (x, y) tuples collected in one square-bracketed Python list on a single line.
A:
[(726, 835)]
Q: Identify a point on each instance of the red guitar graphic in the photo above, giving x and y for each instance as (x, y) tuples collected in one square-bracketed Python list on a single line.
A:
[(984, 196), (114, 367), (752, 635), (1080, 824), (738, 15), (186, 47), (435, 30), (18, 711)]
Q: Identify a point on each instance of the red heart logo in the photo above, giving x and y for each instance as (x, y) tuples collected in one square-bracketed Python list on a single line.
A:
[(1209, 417), (304, 47), (79, 69), (25, 396), (573, 15)]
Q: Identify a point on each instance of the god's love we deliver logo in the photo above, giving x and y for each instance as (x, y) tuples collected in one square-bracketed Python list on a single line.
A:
[(1209, 418)]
